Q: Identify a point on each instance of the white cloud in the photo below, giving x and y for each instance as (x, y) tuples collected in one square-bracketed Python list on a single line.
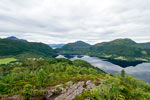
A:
[(57, 21)]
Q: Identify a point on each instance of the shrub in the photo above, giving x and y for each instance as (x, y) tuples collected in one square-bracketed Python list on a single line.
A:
[(28, 91)]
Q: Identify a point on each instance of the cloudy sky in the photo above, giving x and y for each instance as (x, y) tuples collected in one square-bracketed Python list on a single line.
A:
[(63, 21)]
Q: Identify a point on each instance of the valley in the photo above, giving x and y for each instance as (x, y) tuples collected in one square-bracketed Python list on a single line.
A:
[(116, 70), (74, 49)]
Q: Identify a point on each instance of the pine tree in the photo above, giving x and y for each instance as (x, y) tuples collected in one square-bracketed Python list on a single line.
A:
[(122, 73)]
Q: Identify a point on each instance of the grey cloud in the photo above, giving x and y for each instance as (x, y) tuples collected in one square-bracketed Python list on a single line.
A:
[(65, 21)]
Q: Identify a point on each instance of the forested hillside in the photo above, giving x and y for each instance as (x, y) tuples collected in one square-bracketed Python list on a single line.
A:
[(10, 47), (78, 47), (120, 49)]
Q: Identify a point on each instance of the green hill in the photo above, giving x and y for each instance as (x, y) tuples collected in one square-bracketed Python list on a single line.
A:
[(78, 47), (119, 49), (10, 47)]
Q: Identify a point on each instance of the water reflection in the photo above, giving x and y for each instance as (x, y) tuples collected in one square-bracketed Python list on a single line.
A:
[(141, 71)]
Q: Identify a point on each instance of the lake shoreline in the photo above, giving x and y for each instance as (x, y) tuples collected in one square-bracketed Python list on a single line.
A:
[(122, 63), (139, 70)]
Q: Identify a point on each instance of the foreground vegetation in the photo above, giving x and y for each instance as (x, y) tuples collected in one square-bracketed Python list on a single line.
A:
[(31, 77), (118, 88)]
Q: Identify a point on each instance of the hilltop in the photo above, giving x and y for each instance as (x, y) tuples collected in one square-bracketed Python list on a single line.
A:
[(78, 47)]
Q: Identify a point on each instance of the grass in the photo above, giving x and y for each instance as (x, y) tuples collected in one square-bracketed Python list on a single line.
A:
[(108, 56), (141, 59), (120, 58), (7, 60)]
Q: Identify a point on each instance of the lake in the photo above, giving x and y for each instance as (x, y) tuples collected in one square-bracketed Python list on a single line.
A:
[(139, 70)]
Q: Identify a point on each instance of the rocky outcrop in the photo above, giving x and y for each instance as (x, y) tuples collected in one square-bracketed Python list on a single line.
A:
[(69, 92), (90, 85)]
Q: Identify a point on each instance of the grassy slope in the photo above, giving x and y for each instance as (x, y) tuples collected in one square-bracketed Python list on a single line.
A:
[(7, 60)]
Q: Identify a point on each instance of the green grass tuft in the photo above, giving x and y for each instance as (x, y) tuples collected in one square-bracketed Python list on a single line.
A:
[(7, 60)]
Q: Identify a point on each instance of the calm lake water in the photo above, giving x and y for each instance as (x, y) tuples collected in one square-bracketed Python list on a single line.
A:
[(139, 70)]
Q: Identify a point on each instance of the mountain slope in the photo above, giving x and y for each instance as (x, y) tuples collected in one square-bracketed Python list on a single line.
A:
[(119, 49), (14, 47)]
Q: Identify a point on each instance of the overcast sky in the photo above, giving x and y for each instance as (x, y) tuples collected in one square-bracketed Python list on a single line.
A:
[(63, 21)]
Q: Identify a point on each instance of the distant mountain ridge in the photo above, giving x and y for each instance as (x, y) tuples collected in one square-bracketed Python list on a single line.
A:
[(119, 49), (54, 46), (15, 38)]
